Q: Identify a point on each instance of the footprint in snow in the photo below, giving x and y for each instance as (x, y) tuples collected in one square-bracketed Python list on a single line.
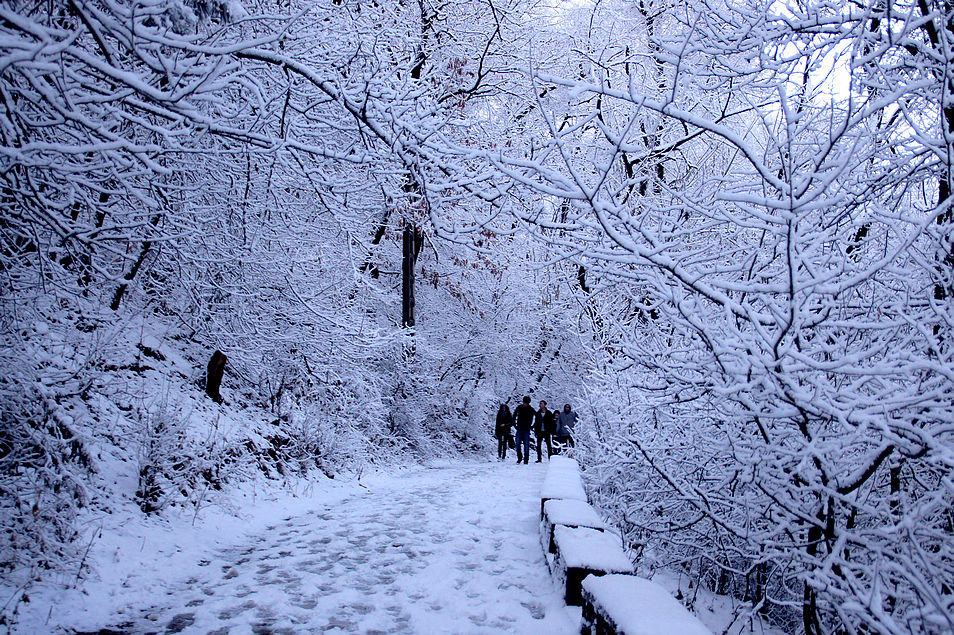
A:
[(479, 620), (180, 622), (363, 609), (344, 624), (229, 613), (537, 612)]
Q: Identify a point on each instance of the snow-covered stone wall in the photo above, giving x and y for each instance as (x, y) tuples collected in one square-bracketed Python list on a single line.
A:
[(590, 565)]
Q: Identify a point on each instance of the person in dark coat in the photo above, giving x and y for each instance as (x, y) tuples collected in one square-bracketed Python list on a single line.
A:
[(564, 426), (542, 429), (502, 430), (523, 416)]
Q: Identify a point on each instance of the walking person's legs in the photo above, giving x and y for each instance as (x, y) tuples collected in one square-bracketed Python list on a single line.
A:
[(546, 437), (539, 448), (523, 446)]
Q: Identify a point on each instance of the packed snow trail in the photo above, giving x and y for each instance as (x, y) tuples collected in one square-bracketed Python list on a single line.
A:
[(441, 549)]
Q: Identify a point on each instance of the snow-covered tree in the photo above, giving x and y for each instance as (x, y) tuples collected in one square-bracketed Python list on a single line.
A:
[(762, 192)]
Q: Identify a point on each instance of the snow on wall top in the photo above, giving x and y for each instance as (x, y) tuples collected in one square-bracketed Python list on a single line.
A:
[(572, 512), (558, 462), (563, 485), (640, 607), (586, 548)]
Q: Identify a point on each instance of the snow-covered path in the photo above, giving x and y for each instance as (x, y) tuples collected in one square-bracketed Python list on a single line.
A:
[(441, 549)]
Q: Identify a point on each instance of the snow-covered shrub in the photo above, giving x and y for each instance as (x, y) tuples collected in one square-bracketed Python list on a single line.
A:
[(330, 444), (44, 465), (336, 424), (169, 466), (41, 482)]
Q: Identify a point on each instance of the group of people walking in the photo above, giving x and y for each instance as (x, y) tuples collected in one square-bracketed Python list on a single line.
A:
[(548, 426)]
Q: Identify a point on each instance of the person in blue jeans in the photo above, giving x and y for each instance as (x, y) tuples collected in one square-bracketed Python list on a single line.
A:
[(523, 416)]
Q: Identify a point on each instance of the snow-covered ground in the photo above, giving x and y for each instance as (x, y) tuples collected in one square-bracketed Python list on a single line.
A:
[(452, 547), (448, 548)]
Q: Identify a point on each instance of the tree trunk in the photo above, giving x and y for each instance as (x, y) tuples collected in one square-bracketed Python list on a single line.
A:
[(413, 241), (213, 378)]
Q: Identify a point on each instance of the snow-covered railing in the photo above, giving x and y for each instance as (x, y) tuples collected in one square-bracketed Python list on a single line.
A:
[(590, 565)]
